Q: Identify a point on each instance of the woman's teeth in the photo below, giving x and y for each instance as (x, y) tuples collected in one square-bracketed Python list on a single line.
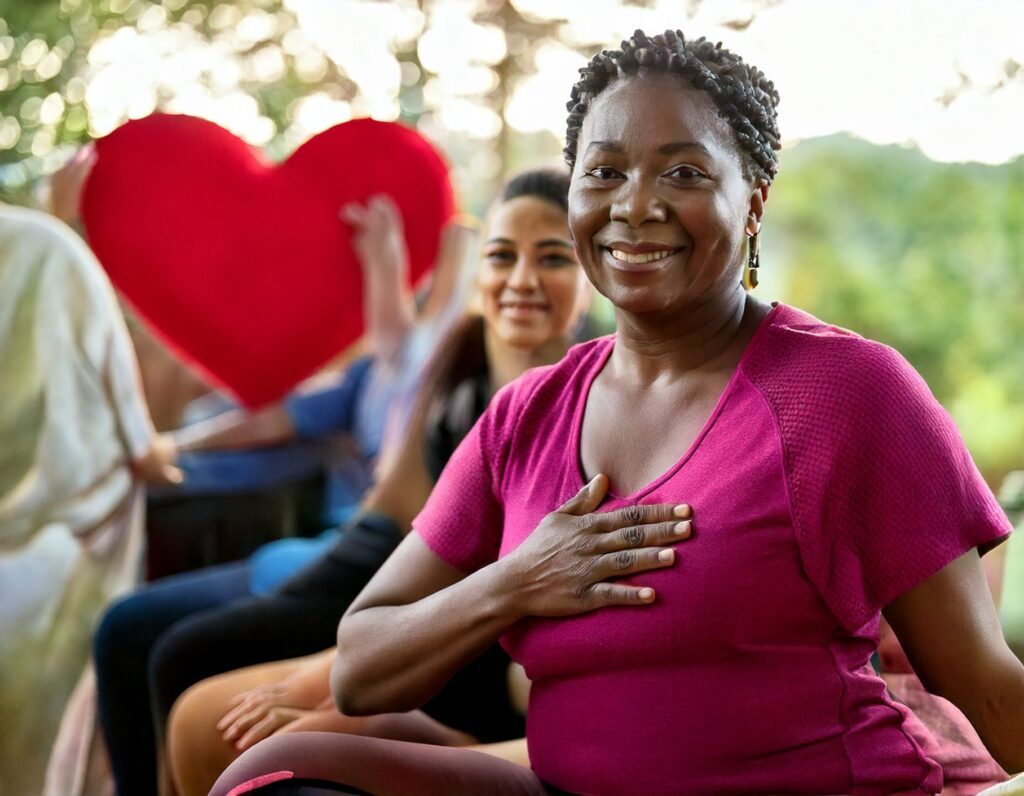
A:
[(639, 259)]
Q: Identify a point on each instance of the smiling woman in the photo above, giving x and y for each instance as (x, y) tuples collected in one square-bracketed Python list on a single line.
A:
[(687, 532), (530, 281), (665, 223)]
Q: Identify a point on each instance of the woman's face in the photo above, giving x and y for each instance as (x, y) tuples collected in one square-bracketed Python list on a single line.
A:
[(530, 282), (659, 208)]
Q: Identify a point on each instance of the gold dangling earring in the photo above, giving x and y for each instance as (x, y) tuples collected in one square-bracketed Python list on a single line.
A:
[(753, 261)]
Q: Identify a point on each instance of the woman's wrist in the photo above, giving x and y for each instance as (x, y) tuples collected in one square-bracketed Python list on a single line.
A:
[(502, 595)]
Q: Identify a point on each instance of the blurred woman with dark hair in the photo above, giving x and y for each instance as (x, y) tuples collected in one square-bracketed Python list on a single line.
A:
[(532, 294)]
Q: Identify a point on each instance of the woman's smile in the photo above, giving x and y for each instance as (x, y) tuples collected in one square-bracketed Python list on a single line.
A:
[(522, 310), (639, 258)]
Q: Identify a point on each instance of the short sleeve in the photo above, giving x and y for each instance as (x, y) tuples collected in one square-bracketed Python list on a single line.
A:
[(883, 491), (331, 409), (463, 518)]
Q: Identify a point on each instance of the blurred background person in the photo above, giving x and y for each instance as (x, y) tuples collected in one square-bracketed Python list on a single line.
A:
[(137, 640), (532, 297), (78, 443)]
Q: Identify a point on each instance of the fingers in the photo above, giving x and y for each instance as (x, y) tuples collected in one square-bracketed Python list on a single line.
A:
[(588, 498), (384, 207), (380, 211), (245, 721), (250, 706), (173, 475), (242, 705), (633, 536), (641, 515), (354, 214), (274, 721), (602, 594), (629, 562), (86, 154)]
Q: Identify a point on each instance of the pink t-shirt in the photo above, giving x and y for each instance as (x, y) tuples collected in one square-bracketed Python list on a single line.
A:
[(826, 482)]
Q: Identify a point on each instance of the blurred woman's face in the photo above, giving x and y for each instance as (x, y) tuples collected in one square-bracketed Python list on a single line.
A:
[(531, 284), (659, 206)]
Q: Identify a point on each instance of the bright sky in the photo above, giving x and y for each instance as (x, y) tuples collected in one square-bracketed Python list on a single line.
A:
[(937, 74), (878, 69)]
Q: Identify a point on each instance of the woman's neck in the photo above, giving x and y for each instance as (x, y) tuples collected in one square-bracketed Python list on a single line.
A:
[(708, 335), (507, 364)]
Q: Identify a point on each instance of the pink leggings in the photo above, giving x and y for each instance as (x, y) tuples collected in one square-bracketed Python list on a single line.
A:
[(314, 763)]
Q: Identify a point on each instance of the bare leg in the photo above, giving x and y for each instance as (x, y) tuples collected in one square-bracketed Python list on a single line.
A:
[(198, 753)]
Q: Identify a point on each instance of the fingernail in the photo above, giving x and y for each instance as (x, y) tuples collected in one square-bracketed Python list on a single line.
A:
[(646, 595), (682, 528), (666, 555), (682, 510)]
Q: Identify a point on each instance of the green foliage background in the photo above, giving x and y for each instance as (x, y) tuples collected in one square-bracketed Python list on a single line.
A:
[(926, 257)]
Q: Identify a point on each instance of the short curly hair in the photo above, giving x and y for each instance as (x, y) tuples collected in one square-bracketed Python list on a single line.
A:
[(744, 97)]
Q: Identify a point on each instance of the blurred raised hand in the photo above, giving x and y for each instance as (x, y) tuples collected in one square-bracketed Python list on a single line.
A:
[(158, 465), (67, 184), (379, 241)]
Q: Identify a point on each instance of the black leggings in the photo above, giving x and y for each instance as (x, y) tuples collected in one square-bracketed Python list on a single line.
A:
[(299, 618), (164, 639), (158, 641), (302, 617)]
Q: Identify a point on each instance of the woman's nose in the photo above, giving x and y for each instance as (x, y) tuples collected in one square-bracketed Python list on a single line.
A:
[(524, 275), (637, 201)]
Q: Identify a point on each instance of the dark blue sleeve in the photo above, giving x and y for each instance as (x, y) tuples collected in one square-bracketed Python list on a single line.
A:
[(331, 409)]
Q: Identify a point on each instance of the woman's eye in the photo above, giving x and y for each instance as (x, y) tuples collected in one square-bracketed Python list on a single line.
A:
[(500, 258), (686, 173), (603, 173), (556, 261)]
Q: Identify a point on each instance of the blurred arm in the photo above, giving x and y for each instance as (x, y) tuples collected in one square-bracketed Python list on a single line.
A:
[(237, 428)]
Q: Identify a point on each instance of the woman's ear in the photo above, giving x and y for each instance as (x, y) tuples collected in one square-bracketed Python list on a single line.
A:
[(757, 201)]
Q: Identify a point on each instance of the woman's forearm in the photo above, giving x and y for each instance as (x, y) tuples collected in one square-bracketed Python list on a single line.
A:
[(420, 620), (393, 658), (998, 715), (237, 429), (949, 628)]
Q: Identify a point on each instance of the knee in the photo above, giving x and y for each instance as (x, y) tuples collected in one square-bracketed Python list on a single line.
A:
[(196, 753), (187, 733), (166, 664), (180, 658), (122, 625), (272, 759)]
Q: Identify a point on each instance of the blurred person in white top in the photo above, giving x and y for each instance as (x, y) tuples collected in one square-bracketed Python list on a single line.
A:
[(76, 445)]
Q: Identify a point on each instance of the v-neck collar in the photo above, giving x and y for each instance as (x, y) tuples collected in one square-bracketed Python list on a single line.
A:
[(575, 463)]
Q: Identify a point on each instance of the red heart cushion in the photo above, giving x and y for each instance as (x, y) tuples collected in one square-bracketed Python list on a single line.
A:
[(243, 267)]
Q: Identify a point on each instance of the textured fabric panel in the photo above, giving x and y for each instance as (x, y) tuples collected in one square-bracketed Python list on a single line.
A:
[(883, 489)]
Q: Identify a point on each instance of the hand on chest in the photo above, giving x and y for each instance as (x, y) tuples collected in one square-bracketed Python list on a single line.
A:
[(736, 585)]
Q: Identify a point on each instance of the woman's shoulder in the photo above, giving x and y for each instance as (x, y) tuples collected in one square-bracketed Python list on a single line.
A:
[(31, 240), (801, 350), (802, 364), (40, 233)]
